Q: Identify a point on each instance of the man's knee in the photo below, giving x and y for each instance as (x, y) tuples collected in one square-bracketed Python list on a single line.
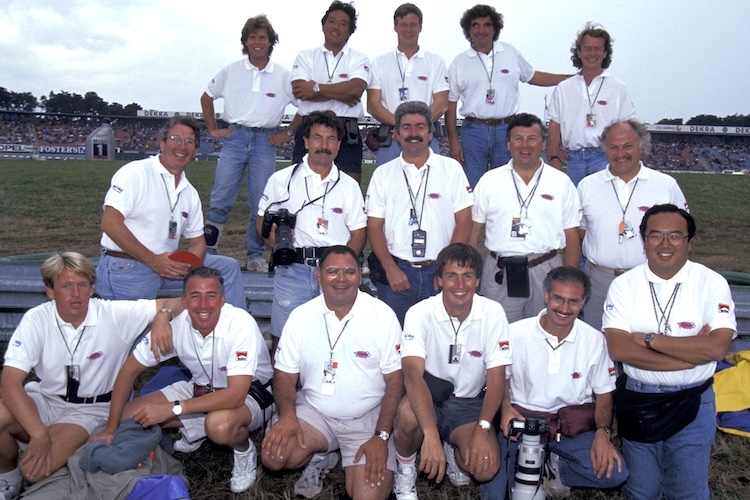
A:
[(406, 420), (223, 426)]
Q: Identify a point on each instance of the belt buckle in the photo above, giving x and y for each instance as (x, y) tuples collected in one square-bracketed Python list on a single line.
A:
[(311, 261), (416, 265), (618, 272)]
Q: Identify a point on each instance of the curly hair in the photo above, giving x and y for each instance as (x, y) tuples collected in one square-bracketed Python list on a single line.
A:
[(254, 24), (596, 31), (477, 12)]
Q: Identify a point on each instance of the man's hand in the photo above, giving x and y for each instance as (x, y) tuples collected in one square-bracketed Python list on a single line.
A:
[(375, 451), (277, 439), (432, 458), (509, 413), (604, 455), (479, 456), (161, 338), (220, 133), (457, 152), (106, 435), (279, 138), (303, 89), (167, 268), (153, 414), (397, 279), (38, 457)]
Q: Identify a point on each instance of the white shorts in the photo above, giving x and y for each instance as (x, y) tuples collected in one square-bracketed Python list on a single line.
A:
[(345, 434), (194, 425), (54, 410)]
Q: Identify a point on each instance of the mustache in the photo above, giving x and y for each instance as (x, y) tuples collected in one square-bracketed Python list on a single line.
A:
[(414, 138), (323, 152)]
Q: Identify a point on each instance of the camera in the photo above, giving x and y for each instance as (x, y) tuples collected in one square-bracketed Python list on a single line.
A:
[(530, 458), (284, 252)]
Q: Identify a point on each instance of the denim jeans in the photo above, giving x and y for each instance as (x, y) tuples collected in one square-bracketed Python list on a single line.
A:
[(676, 468), (422, 286), (130, 279), (246, 149), (484, 146), (384, 155), (292, 286), (576, 469), (586, 161)]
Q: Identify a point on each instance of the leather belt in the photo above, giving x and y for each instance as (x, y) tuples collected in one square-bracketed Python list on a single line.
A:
[(103, 398), (119, 255), (609, 270), (489, 121), (533, 262), (415, 265), (309, 256)]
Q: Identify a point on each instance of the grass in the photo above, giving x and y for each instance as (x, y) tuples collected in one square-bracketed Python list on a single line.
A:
[(56, 205)]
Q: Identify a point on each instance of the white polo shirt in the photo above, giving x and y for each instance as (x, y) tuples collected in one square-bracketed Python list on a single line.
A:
[(99, 346), (440, 189), (366, 350), (235, 347), (703, 298), (483, 335), (553, 208), (340, 204), (547, 375), (144, 192), (472, 73), (425, 74), (603, 197), (570, 105), (320, 65), (252, 97)]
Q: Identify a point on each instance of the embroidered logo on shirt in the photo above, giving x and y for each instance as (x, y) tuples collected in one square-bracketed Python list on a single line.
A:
[(643, 209), (362, 354), (476, 354), (504, 71), (686, 325), (16, 343), (117, 189), (434, 196), (601, 103), (95, 355), (337, 210), (468, 189), (723, 308), (548, 197), (241, 355), (398, 348), (612, 371), (576, 375), (271, 95), (345, 76), (184, 215), (504, 345), (422, 78)]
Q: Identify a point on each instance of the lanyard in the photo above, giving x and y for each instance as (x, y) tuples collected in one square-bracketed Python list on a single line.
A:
[(591, 104), (484, 65), (337, 59), (402, 73), (666, 311), (524, 203), (200, 360), (331, 347), (59, 328), (455, 329), (414, 198), (169, 199), (624, 209), (322, 196)]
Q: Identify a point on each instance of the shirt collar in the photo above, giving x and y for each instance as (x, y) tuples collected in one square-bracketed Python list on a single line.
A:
[(250, 66)]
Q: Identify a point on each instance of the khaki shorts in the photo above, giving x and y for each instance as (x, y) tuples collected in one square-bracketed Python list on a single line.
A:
[(54, 410), (345, 434)]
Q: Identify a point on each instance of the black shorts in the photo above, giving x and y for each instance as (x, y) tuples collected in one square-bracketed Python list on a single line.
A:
[(457, 412)]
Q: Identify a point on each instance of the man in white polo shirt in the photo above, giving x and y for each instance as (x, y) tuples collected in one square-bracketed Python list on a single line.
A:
[(75, 344), (416, 204), (613, 202), (255, 92), (408, 73), (531, 213), (485, 79), (225, 352)]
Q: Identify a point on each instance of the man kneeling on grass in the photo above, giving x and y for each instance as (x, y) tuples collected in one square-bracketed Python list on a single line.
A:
[(223, 348)]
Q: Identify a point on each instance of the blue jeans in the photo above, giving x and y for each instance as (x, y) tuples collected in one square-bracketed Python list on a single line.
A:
[(246, 149), (586, 161), (422, 286), (384, 155), (292, 286), (576, 469), (130, 279), (485, 147), (678, 466)]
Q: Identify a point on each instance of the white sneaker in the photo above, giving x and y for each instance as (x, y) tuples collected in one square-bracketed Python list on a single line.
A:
[(184, 446), (245, 469), (553, 482), (310, 482), (457, 476), (257, 265), (405, 482), (365, 268)]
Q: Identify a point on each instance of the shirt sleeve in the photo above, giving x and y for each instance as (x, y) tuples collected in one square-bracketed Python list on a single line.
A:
[(375, 201), (355, 217), (525, 69), (414, 342), (497, 346), (390, 360), (287, 356), (463, 196), (216, 86), (454, 91), (359, 66), (123, 191), (302, 69), (572, 211), (439, 75)]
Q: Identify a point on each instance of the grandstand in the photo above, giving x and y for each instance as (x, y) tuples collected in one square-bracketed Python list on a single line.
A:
[(692, 148)]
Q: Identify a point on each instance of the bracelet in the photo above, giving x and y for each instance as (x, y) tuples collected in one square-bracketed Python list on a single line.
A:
[(606, 429), (168, 311)]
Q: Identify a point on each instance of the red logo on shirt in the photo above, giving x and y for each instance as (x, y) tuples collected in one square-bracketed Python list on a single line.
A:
[(398, 348), (96, 355), (468, 189), (601, 103), (548, 197), (723, 308), (241, 355), (184, 215), (337, 210), (362, 354), (643, 209), (686, 325), (504, 345), (367, 68), (504, 71), (434, 196), (346, 76), (612, 372), (270, 94), (422, 78), (576, 375), (476, 354)]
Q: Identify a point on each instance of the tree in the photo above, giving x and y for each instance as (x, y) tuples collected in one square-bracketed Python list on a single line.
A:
[(670, 121), (705, 120)]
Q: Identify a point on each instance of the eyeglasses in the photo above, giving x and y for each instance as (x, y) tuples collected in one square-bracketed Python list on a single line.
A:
[(675, 238), (179, 140), (333, 272), (562, 300)]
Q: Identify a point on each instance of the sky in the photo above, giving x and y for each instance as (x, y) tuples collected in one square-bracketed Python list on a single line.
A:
[(678, 58)]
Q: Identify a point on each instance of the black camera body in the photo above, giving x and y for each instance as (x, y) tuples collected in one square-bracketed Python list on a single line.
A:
[(532, 426), (284, 252)]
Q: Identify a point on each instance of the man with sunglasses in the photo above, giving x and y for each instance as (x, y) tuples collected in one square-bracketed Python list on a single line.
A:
[(559, 361), (149, 206), (668, 322)]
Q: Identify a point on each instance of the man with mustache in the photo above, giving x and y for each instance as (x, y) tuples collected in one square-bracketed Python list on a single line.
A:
[(417, 204), (328, 207), (613, 202)]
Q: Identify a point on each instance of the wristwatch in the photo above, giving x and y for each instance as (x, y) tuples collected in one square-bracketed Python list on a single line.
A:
[(168, 311), (177, 409), (484, 425), (647, 340), (606, 429), (383, 435), (316, 88)]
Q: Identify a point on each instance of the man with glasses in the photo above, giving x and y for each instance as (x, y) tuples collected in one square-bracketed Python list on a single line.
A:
[(149, 206), (582, 106), (531, 213), (342, 349), (668, 322), (559, 361), (613, 202)]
